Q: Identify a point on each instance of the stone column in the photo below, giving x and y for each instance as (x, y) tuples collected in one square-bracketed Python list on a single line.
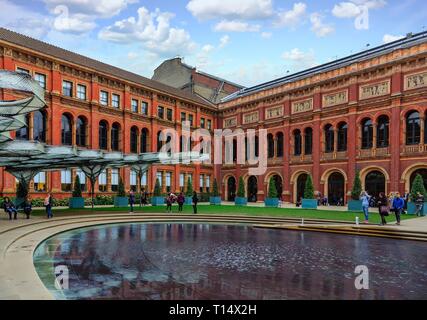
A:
[(335, 140), (374, 136), (422, 131)]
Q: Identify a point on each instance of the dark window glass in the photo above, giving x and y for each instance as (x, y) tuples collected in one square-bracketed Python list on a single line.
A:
[(342, 137), (66, 133), (413, 128), (329, 138), (81, 132), (39, 126), (169, 114), (144, 108), (115, 137), (160, 112), (308, 143), (297, 142), (103, 133), (134, 106), (144, 140), (67, 88), (270, 146), (279, 142), (23, 133), (134, 140), (383, 132), (367, 134)]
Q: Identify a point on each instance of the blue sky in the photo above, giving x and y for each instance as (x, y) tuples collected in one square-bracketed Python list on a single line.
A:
[(245, 41)]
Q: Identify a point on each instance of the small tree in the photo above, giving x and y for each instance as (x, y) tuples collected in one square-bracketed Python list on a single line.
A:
[(241, 188), (77, 190), (189, 192), (121, 188), (309, 188), (215, 192), (418, 186), (357, 187), (272, 190), (157, 191)]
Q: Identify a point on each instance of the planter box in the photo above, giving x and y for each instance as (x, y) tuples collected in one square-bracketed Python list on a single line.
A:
[(121, 202), (412, 208), (239, 201), (215, 200), (309, 203), (188, 200), (76, 203), (354, 205), (271, 202), (157, 201)]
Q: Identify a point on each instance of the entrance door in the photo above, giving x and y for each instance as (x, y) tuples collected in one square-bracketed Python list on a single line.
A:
[(252, 189), (375, 183), (231, 189), (336, 189), (279, 185), (302, 178)]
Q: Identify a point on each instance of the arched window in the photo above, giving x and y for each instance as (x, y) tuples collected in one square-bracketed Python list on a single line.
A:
[(234, 150), (382, 132), (279, 138), (23, 133), (66, 133), (270, 146), (134, 140), (367, 134), (329, 138), (297, 142), (81, 129), (342, 137), (159, 141), (413, 128), (144, 140), (103, 135), (115, 137), (308, 143), (39, 126)]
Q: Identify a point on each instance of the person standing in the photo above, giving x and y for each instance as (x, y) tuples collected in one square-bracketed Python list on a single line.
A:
[(383, 208), (419, 204), (398, 204), (9, 208), (48, 204), (28, 207), (131, 200), (365, 205), (180, 200), (195, 201), (169, 200)]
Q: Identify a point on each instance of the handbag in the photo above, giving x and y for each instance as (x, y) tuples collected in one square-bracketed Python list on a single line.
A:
[(384, 210)]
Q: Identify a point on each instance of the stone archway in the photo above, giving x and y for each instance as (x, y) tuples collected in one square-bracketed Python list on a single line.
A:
[(409, 174), (230, 188), (278, 182), (375, 183), (294, 180), (336, 189), (365, 171), (252, 188)]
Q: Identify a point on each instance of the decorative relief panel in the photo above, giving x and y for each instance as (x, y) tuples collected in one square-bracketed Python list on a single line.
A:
[(251, 117), (230, 122), (415, 81), (302, 106), (374, 90), (274, 112), (334, 99)]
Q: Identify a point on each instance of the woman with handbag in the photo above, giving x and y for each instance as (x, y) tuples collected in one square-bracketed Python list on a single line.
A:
[(383, 208)]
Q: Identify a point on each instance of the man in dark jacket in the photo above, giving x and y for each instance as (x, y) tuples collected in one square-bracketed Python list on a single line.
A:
[(419, 204), (398, 204), (195, 201)]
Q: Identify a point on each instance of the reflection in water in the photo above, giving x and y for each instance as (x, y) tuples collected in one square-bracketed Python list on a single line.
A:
[(201, 261)]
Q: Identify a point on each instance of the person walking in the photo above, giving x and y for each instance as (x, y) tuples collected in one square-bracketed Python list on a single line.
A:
[(383, 208), (419, 204), (398, 204), (195, 201), (28, 207), (9, 208), (48, 204), (180, 200), (131, 200), (365, 205)]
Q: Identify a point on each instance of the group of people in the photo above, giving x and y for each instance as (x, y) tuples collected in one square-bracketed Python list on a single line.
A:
[(171, 198), (322, 200), (27, 207)]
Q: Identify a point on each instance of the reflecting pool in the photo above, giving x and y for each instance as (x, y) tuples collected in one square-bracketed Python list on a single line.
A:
[(205, 261)]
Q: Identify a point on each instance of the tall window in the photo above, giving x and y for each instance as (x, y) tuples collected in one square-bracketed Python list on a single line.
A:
[(81, 92), (382, 132), (134, 139), (297, 142), (159, 141), (133, 179), (201, 182), (160, 112), (181, 181), (159, 177), (308, 143), (115, 137), (102, 181), (40, 182), (134, 106), (208, 184), (279, 138), (270, 146), (169, 114), (202, 123), (66, 133), (41, 79), (342, 137), (23, 133), (82, 178), (103, 98), (67, 88), (114, 180), (81, 132), (413, 128), (144, 140), (329, 138), (209, 124), (144, 179), (144, 108), (66, 180), (183, 116), (115, 100), (367, 134), (39, 126), (168, 181), (103, 135), (191, 119)]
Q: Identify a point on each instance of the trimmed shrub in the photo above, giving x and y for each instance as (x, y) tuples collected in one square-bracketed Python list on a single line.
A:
[(121, 188), (241, 188), (157, 190), (357, 187), (272, 190), (418, 186), (77, 190), (215, 192), (309, 188), (189, 192)]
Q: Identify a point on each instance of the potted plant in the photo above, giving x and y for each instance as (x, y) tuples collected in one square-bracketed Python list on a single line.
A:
[(417, 186), (309, 201), (241, 200), (215, 198), (77, 201), (272, 200), (157, 199), (121, 200), (189, 192), (355, 204)]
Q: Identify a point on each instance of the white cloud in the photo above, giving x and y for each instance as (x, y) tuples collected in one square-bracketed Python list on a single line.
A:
[(230, 9), (236, 26), (358, 10), (266, 35), (152, 30), (318, 27), (346, 10), (370, 4), (292, 17), (76, 23), (224, 41), (299, 60), (390, 38)]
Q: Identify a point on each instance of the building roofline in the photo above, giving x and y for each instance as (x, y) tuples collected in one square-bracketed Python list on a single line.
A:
[(408, 41)]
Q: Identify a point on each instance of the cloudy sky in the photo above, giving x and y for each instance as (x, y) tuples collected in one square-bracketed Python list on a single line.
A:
[(245, 41)]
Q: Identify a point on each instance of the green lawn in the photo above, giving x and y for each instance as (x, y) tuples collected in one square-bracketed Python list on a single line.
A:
[(237, 210)]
